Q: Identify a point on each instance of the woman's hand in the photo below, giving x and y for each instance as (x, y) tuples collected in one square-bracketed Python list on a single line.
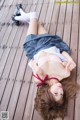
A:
[(70, 65)]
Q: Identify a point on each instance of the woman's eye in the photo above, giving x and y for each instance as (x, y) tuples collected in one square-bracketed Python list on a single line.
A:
[(61, 94), (55, 93)]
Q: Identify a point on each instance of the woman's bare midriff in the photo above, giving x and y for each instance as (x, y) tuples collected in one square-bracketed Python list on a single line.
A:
[(44, 55)]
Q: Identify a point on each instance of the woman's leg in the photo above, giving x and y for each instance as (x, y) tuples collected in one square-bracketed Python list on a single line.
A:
[(41, 29), (31, 18), (33, 27), (36, 28)]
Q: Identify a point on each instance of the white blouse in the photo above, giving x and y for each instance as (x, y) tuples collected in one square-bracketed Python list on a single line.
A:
[(61, 72), (53, 50)]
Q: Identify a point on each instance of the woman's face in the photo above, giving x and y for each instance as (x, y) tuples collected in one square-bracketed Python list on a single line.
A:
[(57, 91)]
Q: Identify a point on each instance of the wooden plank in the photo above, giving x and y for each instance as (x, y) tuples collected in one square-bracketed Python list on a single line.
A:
[(73, 46), (7, 50), (6, 97), (54, 20), (40, 1), (43, 10), (46, 1), (10, 13), (14, 92), (4, 15), (67, 26), (38, 9), (25, 2), (48, 16), (16, 63), (2, 86), (18, 2), (4, 41), (52, 1), (76, 43), (21, 68), (8, 90), (12, 53), (7, 20), (34, 1), (16, 75), (2, 33), (30, 103), (9, 63), (22, 102), (6, 36), (1, 12), (1, 3), (77, 99), (14, 45), (37, 116), (8, 2), (29, 2), (61, 19), (66, 38)]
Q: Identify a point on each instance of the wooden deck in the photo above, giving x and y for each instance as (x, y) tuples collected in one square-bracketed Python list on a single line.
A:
[(17, 91)]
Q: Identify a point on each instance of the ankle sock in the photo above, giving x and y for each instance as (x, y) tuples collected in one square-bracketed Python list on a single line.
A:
[(26, 17)]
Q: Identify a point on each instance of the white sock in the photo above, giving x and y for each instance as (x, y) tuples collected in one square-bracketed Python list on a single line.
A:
[(26, 17), (22, 12)]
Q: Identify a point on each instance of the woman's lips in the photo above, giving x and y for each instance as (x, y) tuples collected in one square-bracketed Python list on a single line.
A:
[(60, 86)]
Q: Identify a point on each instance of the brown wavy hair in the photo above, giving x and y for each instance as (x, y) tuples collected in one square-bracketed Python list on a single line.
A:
[(46, 105)]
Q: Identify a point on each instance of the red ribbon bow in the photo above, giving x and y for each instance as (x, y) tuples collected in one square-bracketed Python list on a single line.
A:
[(44, 80)]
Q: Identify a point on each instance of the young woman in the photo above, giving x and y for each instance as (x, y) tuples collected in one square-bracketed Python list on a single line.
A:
[(50, 61)]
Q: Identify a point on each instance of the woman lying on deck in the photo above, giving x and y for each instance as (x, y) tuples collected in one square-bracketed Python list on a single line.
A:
[(51, 64)]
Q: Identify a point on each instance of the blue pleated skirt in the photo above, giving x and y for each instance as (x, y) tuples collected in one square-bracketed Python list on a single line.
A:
[(34, 43)]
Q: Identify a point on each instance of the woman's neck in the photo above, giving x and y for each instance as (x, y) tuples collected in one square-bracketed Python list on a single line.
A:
[(52, 82)]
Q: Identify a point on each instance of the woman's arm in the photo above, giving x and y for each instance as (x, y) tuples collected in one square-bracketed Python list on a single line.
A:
[(71, 64)]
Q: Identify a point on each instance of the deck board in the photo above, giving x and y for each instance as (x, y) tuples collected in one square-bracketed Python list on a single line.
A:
[(17, 89), (73, 46), (54, 20)]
